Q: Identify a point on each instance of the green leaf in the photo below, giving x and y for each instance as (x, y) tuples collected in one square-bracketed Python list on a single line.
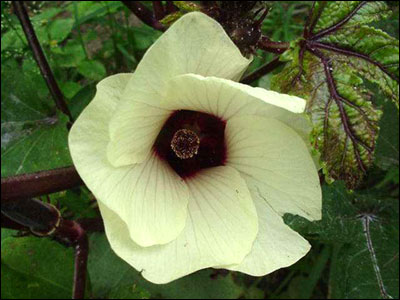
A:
[(111, 276), (46, 15), (338, 217), (387, 149), (333, 67), (35, 268), (81, 100), (60, 29), (332, 12), (33, 137), (143, 37), (13, 39), (363, 229), (70, 55), (70, 88), (92, 69)]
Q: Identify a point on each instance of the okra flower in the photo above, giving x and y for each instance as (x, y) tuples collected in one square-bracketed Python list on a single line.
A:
[(192, 169)]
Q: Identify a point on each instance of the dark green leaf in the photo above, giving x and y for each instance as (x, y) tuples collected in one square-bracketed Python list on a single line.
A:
[(364, 230), (33, 137), (36, 268), (387, 149)]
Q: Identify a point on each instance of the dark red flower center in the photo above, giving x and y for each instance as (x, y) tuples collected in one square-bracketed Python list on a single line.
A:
[(190, 141)]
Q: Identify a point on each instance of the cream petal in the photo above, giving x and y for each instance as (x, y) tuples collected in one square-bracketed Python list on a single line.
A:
[(227, 99), (133, 132), (194, 44), (276, 246), (275, 163), (220, 230), (149, 197)]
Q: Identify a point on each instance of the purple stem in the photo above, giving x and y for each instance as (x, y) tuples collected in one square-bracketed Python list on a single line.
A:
[(40, 183), (158, 9), (274, 47), (170, 7), (72, 233), (338, 25), (355, 54), (338, 100), (40, 58), (313, 22), (144, 14), (263, 70)]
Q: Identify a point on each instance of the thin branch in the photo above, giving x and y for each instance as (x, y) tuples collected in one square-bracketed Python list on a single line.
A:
[(40, 183), (45, 220), (158, 9), (72, 233), (40, 58), (338, 25), (274, 47), (170, 7), (263, 70), (92, 224), (144, 14), (313, 22)]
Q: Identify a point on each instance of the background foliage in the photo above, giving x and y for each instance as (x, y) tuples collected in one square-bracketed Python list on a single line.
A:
[(86, 41)]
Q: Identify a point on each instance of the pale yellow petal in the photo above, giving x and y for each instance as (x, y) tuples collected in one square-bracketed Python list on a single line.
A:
[(149, 197), (220, 230), (133, 132), (276, 246), (275, 163), (194, 44), (227, 99)]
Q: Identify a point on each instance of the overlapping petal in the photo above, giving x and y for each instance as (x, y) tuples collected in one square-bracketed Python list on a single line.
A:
[(221, 228), (150, 197), (276, 165), (276, 246), (226, 99), (194, 44)]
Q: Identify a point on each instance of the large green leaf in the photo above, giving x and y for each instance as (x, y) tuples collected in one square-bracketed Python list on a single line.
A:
[(111, 276), (35, 268), (33, 136), (333, 67), (363, 230)]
